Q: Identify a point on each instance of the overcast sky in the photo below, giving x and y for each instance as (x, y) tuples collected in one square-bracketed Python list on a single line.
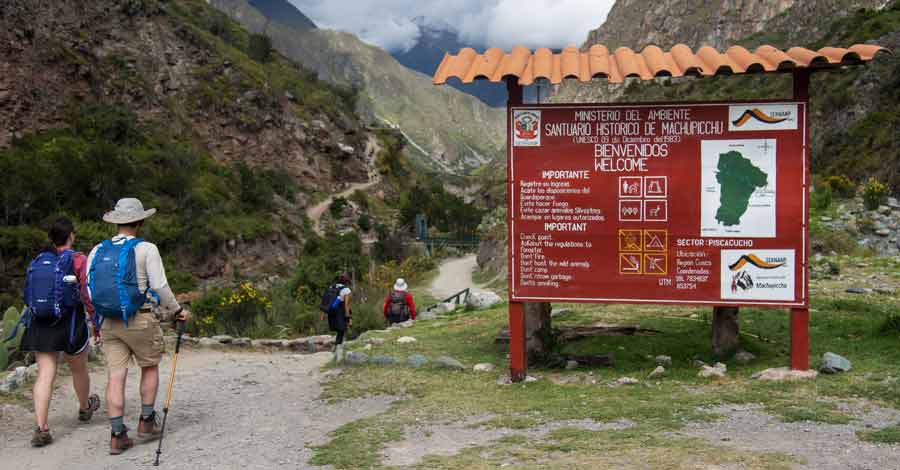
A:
[(502, 23)]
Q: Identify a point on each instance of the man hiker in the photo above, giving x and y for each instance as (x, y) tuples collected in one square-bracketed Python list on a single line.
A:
[(55, 322), (338, 298), (125, 273), (398, 305)]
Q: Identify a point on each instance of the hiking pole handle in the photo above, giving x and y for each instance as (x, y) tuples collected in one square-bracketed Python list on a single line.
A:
[(180, 330)]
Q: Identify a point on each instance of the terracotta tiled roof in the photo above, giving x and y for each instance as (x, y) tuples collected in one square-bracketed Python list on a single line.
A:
[(495, 65)]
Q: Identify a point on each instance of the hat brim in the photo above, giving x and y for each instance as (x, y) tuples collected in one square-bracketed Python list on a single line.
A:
[(400, 287), (119, 218)]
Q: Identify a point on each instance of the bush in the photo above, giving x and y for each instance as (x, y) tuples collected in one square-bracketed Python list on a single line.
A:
[(9, 349), (874, 194), (260, 48), (364, 222), (337, 207), (361, 200), (841, 186), (238, 312), (821, 198)]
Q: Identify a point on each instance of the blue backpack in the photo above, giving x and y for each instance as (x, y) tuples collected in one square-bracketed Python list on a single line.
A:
[(47, 295), (113, 281)]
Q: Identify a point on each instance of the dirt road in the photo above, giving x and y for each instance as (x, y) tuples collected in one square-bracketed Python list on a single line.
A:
[(454, 275), (231, 410)]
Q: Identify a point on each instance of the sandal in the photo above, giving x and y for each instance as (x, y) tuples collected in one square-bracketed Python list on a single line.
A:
[(93, 405), (41, 438)]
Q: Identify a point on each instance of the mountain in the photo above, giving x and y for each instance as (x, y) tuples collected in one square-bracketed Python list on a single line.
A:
[(283, 12), (446, 130), (176, 104), (428, 52)]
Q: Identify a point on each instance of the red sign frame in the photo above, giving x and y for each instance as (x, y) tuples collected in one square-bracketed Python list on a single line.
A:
[(554, 143)]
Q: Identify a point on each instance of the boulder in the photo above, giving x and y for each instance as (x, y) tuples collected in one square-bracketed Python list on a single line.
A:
[(782, 374), (354, 357), (406, 324), (406, 340), (833, 363), (416, 360), (442, 309), (383, 360), (484, 299), (558, 312), (665, 361), (268, 343), (208, 342), (744, 357), (449, 363), (571, 365), (484, 367), (625, 381), (660, 371), (223, 339), (375, 341), (717, 371), (241, 342)]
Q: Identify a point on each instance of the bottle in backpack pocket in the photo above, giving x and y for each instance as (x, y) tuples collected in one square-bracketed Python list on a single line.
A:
[(47, 293)]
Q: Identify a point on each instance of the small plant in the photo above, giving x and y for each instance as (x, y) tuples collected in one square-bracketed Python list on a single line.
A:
[(891, 325), (337, 207), (8, 323), (841, 186), (874, 193), (821, 198), (364, 222)]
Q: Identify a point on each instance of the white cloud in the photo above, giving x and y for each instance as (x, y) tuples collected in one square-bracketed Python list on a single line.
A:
[(391, 24)]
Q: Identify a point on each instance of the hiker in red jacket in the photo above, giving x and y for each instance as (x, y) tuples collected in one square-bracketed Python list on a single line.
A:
[(398, 305)]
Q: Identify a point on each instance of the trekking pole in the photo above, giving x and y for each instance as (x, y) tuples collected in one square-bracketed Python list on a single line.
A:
[(162, 431)]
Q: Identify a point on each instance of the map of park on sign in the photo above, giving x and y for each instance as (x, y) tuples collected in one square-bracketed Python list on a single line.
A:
[(699, 203)]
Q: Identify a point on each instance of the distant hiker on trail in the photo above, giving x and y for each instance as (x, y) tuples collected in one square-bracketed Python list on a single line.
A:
[(55, 322), (124, 274), (336, 305), (398, 305)]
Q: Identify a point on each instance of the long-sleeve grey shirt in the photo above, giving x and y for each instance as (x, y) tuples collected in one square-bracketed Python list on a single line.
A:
[(150, 272)]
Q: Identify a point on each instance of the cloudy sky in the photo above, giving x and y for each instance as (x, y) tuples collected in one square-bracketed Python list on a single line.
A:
[(391, 24)]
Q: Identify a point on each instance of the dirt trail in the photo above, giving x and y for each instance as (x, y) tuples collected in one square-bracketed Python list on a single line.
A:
[(231, 410), (454, 276), (315, 212)]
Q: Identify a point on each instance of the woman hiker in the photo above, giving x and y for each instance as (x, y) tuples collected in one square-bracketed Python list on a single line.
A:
[(339, 316), (47, 336), (398, 305)]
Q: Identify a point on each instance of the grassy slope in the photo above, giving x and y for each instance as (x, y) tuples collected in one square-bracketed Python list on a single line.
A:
[(849, 326)]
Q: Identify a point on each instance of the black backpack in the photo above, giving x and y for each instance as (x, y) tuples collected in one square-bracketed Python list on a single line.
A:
[(331, 299), (398, 311)]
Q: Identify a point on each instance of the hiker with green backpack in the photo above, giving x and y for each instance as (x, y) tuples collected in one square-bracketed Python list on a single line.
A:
[(131, 296), (55, 322)]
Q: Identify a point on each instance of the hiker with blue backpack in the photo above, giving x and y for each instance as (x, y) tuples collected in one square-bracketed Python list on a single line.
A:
[(336, 306), (131, 296), (55, 322)]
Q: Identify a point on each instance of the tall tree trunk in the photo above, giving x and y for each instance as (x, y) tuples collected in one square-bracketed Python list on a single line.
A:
[(537, 325), (725, 331)]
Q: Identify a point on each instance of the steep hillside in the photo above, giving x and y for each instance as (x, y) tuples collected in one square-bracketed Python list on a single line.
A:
[(282, 11), (446, 129), (174, 103)]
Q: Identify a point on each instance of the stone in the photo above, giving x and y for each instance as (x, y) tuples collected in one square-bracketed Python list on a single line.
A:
[(298, 344), (744, 357), (268, 343), (416, 360), (406, 340), (331, 373), (383, 360), (482, 300), (698, 363), (825, 219), (833, 363), (783, 374), (208, 342), (660, 371), (442, 308), (483, 367), (858, 290), (223, 339), (241, 342), (625, 381), (32, 371), (531, 378), (893, 203), (354, 357), (665, 361), (406, 324), (375, 341), (882, 209), (885, 290), (449, 363), (571, 365), (367, 347), (883, 232), (558, 312), (717, 371), (346, 148), (311, 345)]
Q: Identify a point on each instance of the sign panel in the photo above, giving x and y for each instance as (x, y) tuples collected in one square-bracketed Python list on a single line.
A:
[(700, 203)]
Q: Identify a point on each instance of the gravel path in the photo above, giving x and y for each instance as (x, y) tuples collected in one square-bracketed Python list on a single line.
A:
[(454, 275), (230, 410)]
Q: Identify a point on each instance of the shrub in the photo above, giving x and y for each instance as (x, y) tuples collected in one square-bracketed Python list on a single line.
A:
[(841, 186), (891, 325), (260, 48), (820, 199), (364, 222), (237, 312), (874, 193), (9, 349), (337, 207), (360, 199)]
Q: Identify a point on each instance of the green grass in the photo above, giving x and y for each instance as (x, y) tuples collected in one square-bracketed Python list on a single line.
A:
[(840, 323), (888, 435)]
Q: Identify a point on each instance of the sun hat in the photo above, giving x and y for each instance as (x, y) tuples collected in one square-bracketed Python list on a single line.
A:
[(400, 284), (128, 211)]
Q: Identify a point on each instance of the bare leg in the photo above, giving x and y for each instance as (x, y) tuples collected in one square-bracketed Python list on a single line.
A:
[(81, 380), (43, 386), (115, 392), (149, 384)]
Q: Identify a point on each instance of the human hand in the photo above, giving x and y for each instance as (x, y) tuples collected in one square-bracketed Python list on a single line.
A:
[(185, 315), (98, 338)]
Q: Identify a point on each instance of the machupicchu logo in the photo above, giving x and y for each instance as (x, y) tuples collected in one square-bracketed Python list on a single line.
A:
[(769, 263), (760, 116), (763, 117), (526, 128)]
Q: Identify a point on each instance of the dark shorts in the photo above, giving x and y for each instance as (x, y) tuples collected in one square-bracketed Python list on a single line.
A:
[(53, 336)]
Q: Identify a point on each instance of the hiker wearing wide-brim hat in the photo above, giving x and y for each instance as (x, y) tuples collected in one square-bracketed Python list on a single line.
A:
[(398, 305), (131, 296)]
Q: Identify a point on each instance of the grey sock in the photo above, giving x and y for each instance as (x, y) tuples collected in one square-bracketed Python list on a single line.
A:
[(146, 410), (118, 424)]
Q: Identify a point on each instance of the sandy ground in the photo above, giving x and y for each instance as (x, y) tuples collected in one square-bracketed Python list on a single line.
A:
[(230, 410), (454, 275)]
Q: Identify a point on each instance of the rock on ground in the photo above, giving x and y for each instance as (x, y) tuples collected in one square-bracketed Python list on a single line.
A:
[(406, 340), (744, 357), (665, 361), (354, 357), (625, 381), (833, 363), (484, 367), (483, 299), (571, 365), (717, 371), (416, 360), (660, 371), (781, 374), (448, 362), (383, 360)]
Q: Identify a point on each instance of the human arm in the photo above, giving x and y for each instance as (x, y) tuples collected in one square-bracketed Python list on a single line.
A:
[(387, 304), (347, 312), (157, 282), (412, 306)]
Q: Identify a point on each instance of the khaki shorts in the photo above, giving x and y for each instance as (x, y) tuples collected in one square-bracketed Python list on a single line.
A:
[(142, 340)]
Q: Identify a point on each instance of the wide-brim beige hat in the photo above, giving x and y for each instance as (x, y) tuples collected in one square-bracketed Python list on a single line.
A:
[(400, 285), (128, 211)]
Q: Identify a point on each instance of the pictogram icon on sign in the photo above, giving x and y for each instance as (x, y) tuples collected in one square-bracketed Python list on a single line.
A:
[(630, 186), (656, 240), (656, 264), (656, 186), (656, 210), (629, 211), (629, 240), (629, 263)]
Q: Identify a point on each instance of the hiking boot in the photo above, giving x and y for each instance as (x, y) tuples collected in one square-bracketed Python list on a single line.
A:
[(339, 354), (119, 443), (149, 426), (41, 438), (93, 405)]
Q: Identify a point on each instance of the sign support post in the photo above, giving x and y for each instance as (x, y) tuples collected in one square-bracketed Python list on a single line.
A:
[(518, 354), (800, 316)]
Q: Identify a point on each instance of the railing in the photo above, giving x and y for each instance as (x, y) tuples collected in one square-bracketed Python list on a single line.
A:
[(458, 242), (459, 298)]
